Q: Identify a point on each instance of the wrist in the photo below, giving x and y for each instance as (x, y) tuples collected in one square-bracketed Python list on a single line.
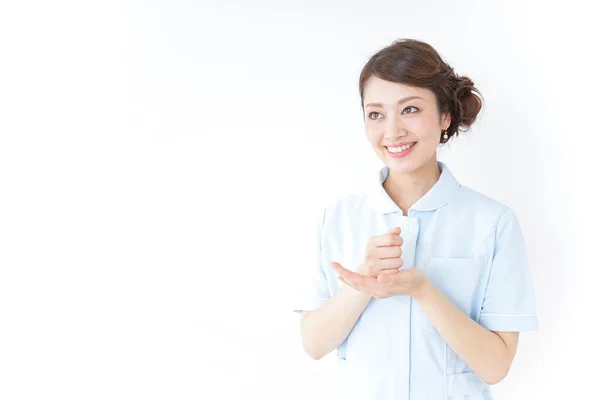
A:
[(357, 294), (424, 291)]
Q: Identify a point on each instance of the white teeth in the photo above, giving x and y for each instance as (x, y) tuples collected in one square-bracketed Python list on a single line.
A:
[(400, 149)]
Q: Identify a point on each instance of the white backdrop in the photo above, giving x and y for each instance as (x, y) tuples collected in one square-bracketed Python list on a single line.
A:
[(162, 164)]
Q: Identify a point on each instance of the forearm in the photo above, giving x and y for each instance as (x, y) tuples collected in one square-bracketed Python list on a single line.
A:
[(482, 350), (325, 328)]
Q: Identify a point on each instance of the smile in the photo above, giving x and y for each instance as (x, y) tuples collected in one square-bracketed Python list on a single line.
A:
[(400, 151)]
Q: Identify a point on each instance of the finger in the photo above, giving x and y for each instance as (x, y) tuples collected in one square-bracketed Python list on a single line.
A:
[(386, 252), (395, 231), (341, 271), (346, 282), (389, 271), (387, 239), (336, 266), (387, 263), (339, 268), (368, 284), (357, 281)]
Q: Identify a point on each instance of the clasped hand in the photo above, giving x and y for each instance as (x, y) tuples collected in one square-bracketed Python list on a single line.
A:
[(381, 274)]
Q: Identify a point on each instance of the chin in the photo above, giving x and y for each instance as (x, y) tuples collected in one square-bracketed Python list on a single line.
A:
[(410, 163), (403, 166)]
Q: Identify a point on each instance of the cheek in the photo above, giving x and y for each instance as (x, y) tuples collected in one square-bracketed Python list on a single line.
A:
[(428, 122), (417, 124), (424, 126), (373, 135), (374, 131)]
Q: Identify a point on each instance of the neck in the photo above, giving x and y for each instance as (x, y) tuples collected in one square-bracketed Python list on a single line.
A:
[(405, 189)]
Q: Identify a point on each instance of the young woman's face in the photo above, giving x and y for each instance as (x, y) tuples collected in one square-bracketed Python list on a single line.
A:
[(398, 116)]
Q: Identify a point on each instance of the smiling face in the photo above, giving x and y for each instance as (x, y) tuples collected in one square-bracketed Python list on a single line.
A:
[(402, 124)]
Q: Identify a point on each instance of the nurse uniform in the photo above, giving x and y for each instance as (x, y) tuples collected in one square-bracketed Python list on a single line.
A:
[(471, 248)]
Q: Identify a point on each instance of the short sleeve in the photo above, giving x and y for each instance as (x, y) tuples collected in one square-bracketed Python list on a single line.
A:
[(312, 284), (509, 300)]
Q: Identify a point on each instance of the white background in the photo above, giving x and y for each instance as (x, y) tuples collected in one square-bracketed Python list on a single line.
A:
[(162, 164)]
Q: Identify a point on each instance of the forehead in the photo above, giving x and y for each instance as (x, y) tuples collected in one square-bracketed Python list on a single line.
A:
[(378, 90)]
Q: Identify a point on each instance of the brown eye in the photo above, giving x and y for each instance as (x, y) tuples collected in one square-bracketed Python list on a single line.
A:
[(371, 114), (409, 107)]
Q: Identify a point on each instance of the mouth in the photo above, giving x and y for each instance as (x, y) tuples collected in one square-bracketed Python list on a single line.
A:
[(400, 151)]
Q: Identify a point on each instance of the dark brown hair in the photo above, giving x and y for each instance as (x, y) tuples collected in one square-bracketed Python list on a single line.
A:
[(415, 63)]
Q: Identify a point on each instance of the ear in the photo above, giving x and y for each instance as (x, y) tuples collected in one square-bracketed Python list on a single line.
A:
[(446, 120)]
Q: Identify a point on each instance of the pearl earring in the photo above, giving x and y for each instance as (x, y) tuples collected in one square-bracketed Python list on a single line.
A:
[(445, 135)]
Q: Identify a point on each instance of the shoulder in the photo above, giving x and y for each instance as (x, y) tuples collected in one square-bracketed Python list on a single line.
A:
[(485, 212), (479, 216), (468, 198)]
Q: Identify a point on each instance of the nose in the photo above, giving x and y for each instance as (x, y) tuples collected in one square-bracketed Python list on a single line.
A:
[(393, 128)]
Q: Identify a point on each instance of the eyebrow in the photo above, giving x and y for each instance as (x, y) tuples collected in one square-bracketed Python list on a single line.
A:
[(404, 100)]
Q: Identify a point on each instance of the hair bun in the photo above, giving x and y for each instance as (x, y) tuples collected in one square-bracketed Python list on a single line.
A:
[(467, 102)]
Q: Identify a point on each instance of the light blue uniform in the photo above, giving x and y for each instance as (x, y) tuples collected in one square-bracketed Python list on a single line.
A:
[(470, 246)]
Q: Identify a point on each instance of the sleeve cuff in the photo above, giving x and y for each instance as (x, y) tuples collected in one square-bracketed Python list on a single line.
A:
[(310, 304), (509, 323)]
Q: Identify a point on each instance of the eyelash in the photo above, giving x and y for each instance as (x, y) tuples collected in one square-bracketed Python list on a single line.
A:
[(375, 112)]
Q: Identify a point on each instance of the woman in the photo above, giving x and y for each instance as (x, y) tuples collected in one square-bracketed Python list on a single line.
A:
[(421, 284)]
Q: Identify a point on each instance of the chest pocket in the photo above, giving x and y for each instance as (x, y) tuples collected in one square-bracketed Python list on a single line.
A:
[(459, 279)]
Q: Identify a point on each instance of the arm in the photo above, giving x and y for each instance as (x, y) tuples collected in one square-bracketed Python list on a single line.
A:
[(325, 328), (488, 353)]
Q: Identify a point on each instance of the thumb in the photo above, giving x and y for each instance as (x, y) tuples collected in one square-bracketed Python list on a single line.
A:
[(396, 230), (336, 265)]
